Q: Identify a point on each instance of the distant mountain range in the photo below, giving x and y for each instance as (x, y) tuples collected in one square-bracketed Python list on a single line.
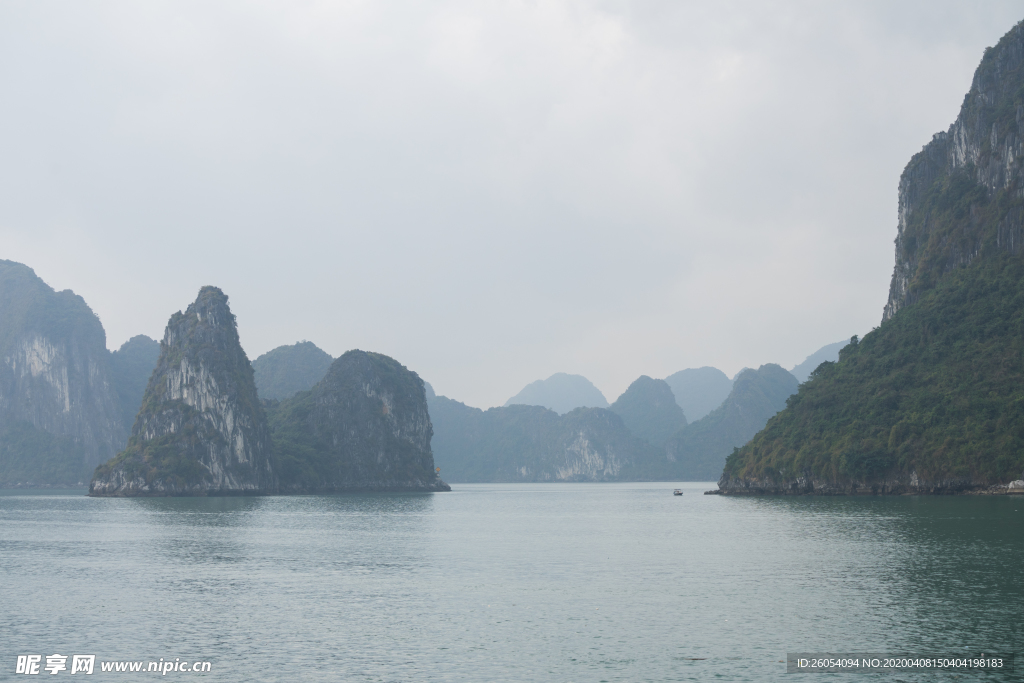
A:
[(67, 405), (698, 452), (697, 391), (644, 435)]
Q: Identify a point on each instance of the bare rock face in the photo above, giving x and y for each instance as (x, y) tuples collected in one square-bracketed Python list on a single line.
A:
[(960, 196), (363, 427), (590, 444), (201, 429), (59, 415)]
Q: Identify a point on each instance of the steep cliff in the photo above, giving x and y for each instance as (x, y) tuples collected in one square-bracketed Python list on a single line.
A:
[(201, 429), (930, 401), (649, 409), (285, 371), (364, 426), (962, 196), (59, 415), (698, 452), (531, 444)]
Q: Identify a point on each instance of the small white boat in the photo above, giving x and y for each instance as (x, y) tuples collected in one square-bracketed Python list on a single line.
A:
[(677, 492)]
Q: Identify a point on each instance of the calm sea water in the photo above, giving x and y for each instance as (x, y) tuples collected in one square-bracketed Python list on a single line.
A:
[(555, 582)]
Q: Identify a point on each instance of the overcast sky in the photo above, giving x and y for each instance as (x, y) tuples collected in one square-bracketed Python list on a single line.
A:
[(489, 192)]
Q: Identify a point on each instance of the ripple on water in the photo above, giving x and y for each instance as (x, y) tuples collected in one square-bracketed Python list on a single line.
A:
[(559, 582)]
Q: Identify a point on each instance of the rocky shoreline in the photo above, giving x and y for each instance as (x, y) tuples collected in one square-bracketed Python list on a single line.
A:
[(912, 486)]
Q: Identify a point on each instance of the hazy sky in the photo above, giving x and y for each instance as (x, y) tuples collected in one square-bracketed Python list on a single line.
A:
[(490, 192)]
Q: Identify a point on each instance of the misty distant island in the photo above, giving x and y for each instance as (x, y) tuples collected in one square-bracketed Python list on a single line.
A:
[(643, 436)]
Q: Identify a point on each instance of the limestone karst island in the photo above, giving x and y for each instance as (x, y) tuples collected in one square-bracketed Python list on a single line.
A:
[(931, 401), (202, 430)]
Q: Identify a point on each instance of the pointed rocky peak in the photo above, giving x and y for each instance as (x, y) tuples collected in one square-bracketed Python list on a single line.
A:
[(208, 320), (201, 429), (211, 307)]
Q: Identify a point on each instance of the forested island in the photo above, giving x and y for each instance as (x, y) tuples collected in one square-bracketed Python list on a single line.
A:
[(931, 400)]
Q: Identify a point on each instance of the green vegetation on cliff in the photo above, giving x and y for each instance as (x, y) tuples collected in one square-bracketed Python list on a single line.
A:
[(960, 196), (933, 399), (826, 353), (167, 462), (364, 426), (937, 390)]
